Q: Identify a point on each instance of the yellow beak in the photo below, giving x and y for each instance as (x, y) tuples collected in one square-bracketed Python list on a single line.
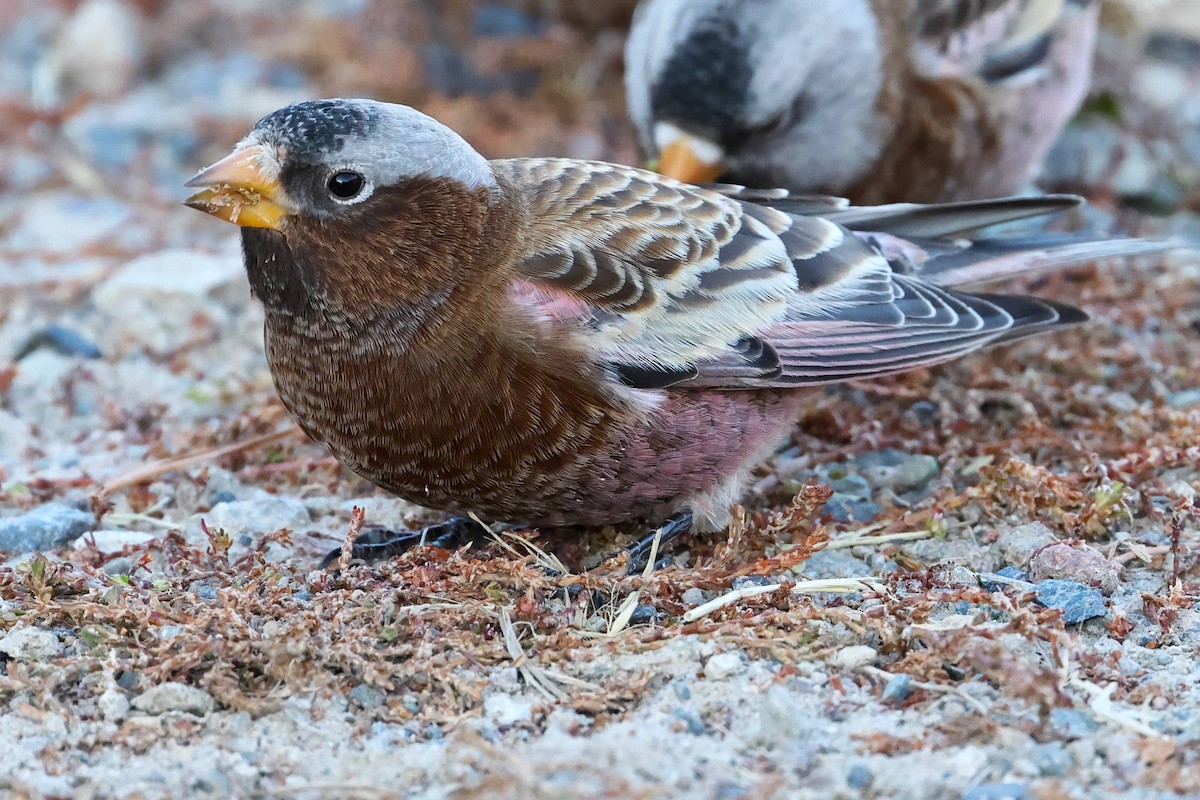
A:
[(237, 191), (679, 161)]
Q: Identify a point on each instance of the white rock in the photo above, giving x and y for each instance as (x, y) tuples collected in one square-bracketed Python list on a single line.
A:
[(63, 223), (854, 657), (113, 541), (722, 665), (505, 710), (113, 704), (167, 299), (249, 518), (15, 438), (172, 696), (30, 644), (98, 52)]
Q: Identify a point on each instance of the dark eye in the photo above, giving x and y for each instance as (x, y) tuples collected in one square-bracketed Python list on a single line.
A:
[(346, 185)]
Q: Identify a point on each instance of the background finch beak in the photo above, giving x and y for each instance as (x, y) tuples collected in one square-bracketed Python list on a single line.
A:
[(237, 191), (679, 161)]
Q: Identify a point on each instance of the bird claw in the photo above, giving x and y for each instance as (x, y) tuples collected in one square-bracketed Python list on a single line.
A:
[(379, 544), (639, 553)]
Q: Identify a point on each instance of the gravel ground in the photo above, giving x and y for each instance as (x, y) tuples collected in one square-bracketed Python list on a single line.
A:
[(979, 581)]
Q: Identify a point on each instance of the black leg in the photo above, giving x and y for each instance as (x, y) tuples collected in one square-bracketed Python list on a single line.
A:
[(380, 544), (639, 553)]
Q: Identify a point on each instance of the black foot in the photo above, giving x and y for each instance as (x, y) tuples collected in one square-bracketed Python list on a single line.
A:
[(639, 554), (380, 544)]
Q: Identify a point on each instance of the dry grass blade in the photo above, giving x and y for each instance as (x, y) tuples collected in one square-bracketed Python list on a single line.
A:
[(546, 682), (827, 586), (149, 472), (547, 561), (887, 538)]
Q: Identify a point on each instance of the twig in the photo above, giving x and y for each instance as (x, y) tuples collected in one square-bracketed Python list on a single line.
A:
[(357, 515), (151, 471)]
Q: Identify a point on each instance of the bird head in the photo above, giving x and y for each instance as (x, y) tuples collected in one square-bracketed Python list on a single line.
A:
[(332, 161), (747, 88)]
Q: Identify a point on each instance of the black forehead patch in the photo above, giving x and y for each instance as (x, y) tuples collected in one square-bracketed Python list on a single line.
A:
[(704, 87), (317, 127)]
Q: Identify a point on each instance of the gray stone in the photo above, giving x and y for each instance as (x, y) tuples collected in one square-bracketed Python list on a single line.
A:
[(366, 697), (1017, 545), (1053, 760), (506, 710), (693, 596), (173, 696), (897, 690), (63, 223), (30, 644), (844, 508), (1077, 602), (44, 528), (113, 541), (777, 717), (1067, 723), (997, 791), (859, 777), (896, 470)]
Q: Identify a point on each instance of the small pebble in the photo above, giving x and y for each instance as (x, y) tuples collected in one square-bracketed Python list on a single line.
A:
[(859, 777), (366, 696), (505, 710), (113, 704), (753, 580), (1068, 723), (693, 597), (722, 665), (173, 696), (644, 614), (1077, 602), (897, 690), (854, 657), (691, 720)]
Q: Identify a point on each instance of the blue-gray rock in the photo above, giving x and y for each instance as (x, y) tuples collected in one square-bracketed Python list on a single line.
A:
[(844, 508), (1077, 602), (1067, 723), (746, 581), (1184, 399), (44, 528), (851, 485), (1053, 760), (997, 791), (1007, 572), (504, 21), (691, 720), (644, 614), (61, 340), (897, 690), (896, 470), (859, 777), (366, 696)]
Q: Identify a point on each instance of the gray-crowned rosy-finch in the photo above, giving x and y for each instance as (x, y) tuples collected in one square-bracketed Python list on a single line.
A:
[(554, 342), (875, 100)]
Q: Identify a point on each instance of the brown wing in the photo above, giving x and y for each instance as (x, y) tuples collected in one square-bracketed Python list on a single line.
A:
[(691, 287)]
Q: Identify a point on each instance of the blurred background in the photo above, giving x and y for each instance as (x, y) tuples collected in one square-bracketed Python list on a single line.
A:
[(106, 94), (121, 312)]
